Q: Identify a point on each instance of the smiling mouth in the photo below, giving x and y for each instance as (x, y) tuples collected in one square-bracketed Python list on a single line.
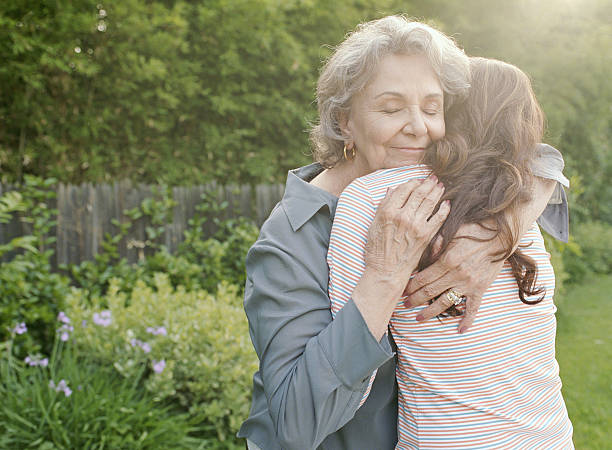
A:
[(409, 149)]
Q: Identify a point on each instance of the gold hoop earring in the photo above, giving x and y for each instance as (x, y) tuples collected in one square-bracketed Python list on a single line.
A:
[(352, 149)]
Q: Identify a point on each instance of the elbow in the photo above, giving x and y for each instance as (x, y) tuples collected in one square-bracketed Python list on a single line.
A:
[(294, 437)]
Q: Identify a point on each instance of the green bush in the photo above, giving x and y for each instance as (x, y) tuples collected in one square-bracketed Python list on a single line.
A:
[(69, 401), (29, 291), (199, 263), (556, 249), (593, 254), (201, 338)]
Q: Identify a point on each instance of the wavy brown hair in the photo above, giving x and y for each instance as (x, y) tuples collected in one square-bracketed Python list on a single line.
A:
[(485, 160)]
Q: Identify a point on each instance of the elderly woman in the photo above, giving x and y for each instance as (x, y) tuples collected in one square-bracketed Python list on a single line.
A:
[(313, 372), (497, 386)]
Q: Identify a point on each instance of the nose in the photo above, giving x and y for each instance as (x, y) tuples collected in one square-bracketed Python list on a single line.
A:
[(415, 124)]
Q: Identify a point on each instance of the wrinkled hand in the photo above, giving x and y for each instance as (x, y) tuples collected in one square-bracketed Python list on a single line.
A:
[(403, 227), (467, 266)]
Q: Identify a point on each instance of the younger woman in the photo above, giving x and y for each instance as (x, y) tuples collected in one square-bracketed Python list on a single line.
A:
[(498, 385)]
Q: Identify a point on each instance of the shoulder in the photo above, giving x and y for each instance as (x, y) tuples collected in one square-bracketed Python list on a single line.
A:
[(373, 187)]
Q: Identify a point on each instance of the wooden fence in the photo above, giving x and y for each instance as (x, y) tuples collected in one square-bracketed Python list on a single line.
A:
[(85, 215)]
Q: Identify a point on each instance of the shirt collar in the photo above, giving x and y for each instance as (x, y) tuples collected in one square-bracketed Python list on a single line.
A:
[(301, 200)]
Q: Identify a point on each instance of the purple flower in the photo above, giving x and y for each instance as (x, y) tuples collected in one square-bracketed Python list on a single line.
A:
[(84, 323), (20, 328), (143, 345), (36, 361), (65, 331), (157, 331), (103, 318), (159, 366), (63, 317), (61, 386)]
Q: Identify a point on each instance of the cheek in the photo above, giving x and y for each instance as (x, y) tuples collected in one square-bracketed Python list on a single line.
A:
[(437, 129), (378, 131)]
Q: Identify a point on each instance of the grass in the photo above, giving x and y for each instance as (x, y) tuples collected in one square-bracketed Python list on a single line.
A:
[(584, 352)]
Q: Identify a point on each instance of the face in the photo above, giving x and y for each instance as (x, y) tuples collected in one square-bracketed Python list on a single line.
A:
[(397, 116)]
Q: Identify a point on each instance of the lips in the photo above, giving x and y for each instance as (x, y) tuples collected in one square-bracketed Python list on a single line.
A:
[(409, 149)]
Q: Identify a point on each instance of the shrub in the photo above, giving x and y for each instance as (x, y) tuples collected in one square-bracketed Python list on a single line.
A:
[(199, 263), (199, 340), (70, 401), (29, 291), (556, 249), (593, 255)]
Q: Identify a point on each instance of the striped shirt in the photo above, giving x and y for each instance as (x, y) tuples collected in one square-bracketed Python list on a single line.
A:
[(496, 386)]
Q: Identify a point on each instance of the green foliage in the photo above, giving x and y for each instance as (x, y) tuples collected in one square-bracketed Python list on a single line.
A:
[(208, 357), (96, 408), (29, 291), (186, 92), (593, 254), (556, 249), (222, 256), (199, 263)]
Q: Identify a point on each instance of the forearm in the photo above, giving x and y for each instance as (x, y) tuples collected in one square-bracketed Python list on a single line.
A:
[(376, 298)]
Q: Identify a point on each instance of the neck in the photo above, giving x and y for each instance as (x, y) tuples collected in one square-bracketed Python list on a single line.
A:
[(337, 178)]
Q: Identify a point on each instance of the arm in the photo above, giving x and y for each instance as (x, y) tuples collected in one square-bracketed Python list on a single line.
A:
[(468, 265), (353, 222), (314, 372)]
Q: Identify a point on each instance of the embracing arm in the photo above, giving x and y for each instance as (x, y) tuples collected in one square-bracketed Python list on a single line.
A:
[(314, 371), (468, 266)]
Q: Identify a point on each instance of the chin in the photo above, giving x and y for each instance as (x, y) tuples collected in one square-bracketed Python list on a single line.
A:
[(403, 163)]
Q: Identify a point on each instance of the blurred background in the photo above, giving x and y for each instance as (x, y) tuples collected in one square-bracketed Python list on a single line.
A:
[(181, 93)]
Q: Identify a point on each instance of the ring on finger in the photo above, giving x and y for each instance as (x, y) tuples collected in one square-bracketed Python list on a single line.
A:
[(454, 298)]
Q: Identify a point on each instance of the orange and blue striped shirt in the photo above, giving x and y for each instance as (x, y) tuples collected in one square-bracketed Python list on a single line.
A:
[(496, 386)]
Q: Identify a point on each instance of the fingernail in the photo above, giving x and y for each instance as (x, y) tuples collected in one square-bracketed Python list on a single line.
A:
[(462, 330), (419, 317), (433, 178), (441, 185), (447, 202)]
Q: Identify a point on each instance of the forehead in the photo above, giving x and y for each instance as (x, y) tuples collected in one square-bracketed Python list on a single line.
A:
[(409, 76)]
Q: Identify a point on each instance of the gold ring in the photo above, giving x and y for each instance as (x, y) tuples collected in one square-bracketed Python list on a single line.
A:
[(454, 297)]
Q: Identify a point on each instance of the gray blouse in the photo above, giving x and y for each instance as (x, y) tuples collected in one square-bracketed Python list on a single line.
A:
[(316, 370)]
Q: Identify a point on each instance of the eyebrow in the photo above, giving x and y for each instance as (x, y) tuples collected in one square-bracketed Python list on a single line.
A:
[(399, 94)]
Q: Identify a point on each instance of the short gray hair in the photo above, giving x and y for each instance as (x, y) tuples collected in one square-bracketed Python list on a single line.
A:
[(354, 62)]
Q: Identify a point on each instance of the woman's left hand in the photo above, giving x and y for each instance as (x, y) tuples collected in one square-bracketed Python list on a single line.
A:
[(467, 266)]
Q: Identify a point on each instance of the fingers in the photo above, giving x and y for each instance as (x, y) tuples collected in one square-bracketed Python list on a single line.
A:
[(441, 305), (472, 305), (437, 307), (428, 284), (425, 197), (396, 196), (436, 246)]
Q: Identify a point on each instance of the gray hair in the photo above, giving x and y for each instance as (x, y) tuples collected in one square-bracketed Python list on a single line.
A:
[(349, 69)]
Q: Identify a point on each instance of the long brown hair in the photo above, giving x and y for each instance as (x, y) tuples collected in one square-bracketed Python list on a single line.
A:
[(485, 160)]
